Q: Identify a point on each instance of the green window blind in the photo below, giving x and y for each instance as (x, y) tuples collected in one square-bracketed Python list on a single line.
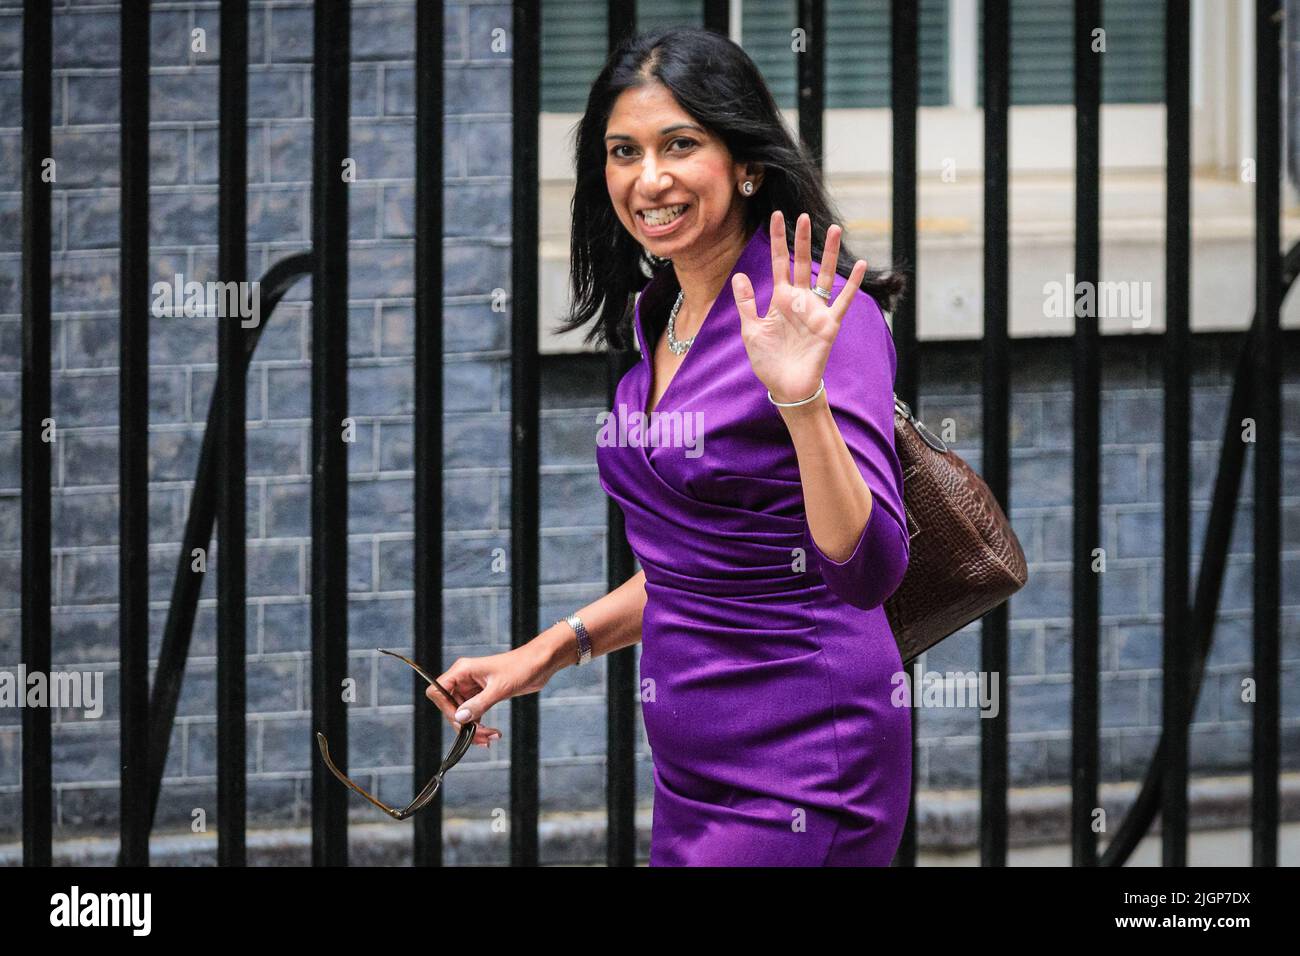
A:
[(575, 44), (857, 48), (1042, 57)]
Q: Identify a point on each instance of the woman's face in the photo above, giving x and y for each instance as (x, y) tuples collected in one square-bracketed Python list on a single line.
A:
[(658, 159)]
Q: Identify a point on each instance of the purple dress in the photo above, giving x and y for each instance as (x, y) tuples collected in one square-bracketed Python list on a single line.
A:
[(768, 671)]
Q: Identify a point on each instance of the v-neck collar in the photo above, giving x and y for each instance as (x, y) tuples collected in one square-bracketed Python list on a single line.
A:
[(755, 261)]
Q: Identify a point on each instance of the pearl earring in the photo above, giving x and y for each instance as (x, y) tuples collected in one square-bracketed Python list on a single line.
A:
[(748, 188)]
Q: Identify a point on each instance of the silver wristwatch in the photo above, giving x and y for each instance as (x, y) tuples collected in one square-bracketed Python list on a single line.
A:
[(584, 639)]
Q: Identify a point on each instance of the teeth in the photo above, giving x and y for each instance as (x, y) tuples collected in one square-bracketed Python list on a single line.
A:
[(661, 217)]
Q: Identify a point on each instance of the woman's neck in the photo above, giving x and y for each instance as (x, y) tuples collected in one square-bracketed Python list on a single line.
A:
[(701, 277)]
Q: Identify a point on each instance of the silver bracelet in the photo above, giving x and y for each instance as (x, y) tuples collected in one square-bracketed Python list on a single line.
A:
[(584, 639), (811, 398)]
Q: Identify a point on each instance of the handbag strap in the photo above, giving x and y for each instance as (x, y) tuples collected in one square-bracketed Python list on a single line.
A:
[(929, 437)]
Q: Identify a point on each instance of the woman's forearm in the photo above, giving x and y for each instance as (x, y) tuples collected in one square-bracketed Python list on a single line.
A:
[(837, 501), (612, 621)]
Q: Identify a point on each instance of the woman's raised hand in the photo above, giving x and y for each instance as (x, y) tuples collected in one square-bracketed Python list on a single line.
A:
[(788, 348)]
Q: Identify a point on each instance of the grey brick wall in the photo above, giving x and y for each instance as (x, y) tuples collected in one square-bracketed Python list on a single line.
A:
[(1131, 586), (183, 357)]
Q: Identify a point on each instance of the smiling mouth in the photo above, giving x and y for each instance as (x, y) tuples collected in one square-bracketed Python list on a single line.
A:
[(664, 215)]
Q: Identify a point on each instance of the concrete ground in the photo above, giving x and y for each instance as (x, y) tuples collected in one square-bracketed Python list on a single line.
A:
[(1204, 848), (948, 824)]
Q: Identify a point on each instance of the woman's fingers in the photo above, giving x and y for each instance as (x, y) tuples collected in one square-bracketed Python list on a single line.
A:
[(802, 278), (780, 251), (463, 685), (842, 301), (803, 252), (458, 683), (483, 735), (830, 257), (743, 290)]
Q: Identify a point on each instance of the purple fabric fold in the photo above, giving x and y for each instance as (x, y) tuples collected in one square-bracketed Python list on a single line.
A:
[(875, 569)]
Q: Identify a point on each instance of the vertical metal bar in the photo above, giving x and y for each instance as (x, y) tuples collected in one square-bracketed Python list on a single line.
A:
[(1086, 343), (199, 525), (1177, 648), (525, 397), (133, 449), (905, 94), (329, 403), (38, 806), (810, 69), (1267, 412), (996, 412), (620, 666), (620, 676), (717, 14), (232, 525), (429, 744)]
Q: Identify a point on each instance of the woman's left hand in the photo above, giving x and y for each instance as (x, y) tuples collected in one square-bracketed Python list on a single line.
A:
[(789, 346)]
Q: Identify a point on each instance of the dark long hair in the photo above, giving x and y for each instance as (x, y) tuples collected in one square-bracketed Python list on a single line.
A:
[(715, 81)]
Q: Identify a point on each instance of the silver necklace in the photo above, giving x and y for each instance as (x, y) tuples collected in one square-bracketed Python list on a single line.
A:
[(675, 345)]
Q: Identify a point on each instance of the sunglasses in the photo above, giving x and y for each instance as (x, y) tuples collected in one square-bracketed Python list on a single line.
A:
[(458, 750)]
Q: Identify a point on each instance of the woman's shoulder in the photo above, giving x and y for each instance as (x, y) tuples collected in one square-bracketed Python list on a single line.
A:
[(864, 331)]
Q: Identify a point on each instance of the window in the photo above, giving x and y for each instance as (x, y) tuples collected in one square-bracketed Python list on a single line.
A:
[(857, 60), (857, 51), (1042, 52), (857, 57)]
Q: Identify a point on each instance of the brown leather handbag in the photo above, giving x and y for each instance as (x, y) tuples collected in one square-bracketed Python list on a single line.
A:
[(965, 559)]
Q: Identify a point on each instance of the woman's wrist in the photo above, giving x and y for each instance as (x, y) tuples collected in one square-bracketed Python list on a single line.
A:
[(802, 414), (553, 650), (806, 396)]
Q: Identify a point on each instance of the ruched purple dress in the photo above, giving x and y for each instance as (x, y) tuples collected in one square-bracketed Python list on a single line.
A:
[(767, 670)]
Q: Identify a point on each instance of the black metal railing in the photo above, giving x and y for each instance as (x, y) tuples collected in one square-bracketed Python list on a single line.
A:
[(1086, 400), (219, 492), (133, 432)]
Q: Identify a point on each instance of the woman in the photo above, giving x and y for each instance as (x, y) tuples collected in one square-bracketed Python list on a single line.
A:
[(769, 545)]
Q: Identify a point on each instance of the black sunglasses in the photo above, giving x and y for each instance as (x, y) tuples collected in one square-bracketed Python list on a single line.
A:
[(458, 750)]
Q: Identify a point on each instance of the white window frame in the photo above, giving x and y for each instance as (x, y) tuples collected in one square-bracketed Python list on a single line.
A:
[(857, 150)]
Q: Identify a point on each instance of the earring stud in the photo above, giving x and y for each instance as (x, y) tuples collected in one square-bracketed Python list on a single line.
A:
[(748, 188)]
